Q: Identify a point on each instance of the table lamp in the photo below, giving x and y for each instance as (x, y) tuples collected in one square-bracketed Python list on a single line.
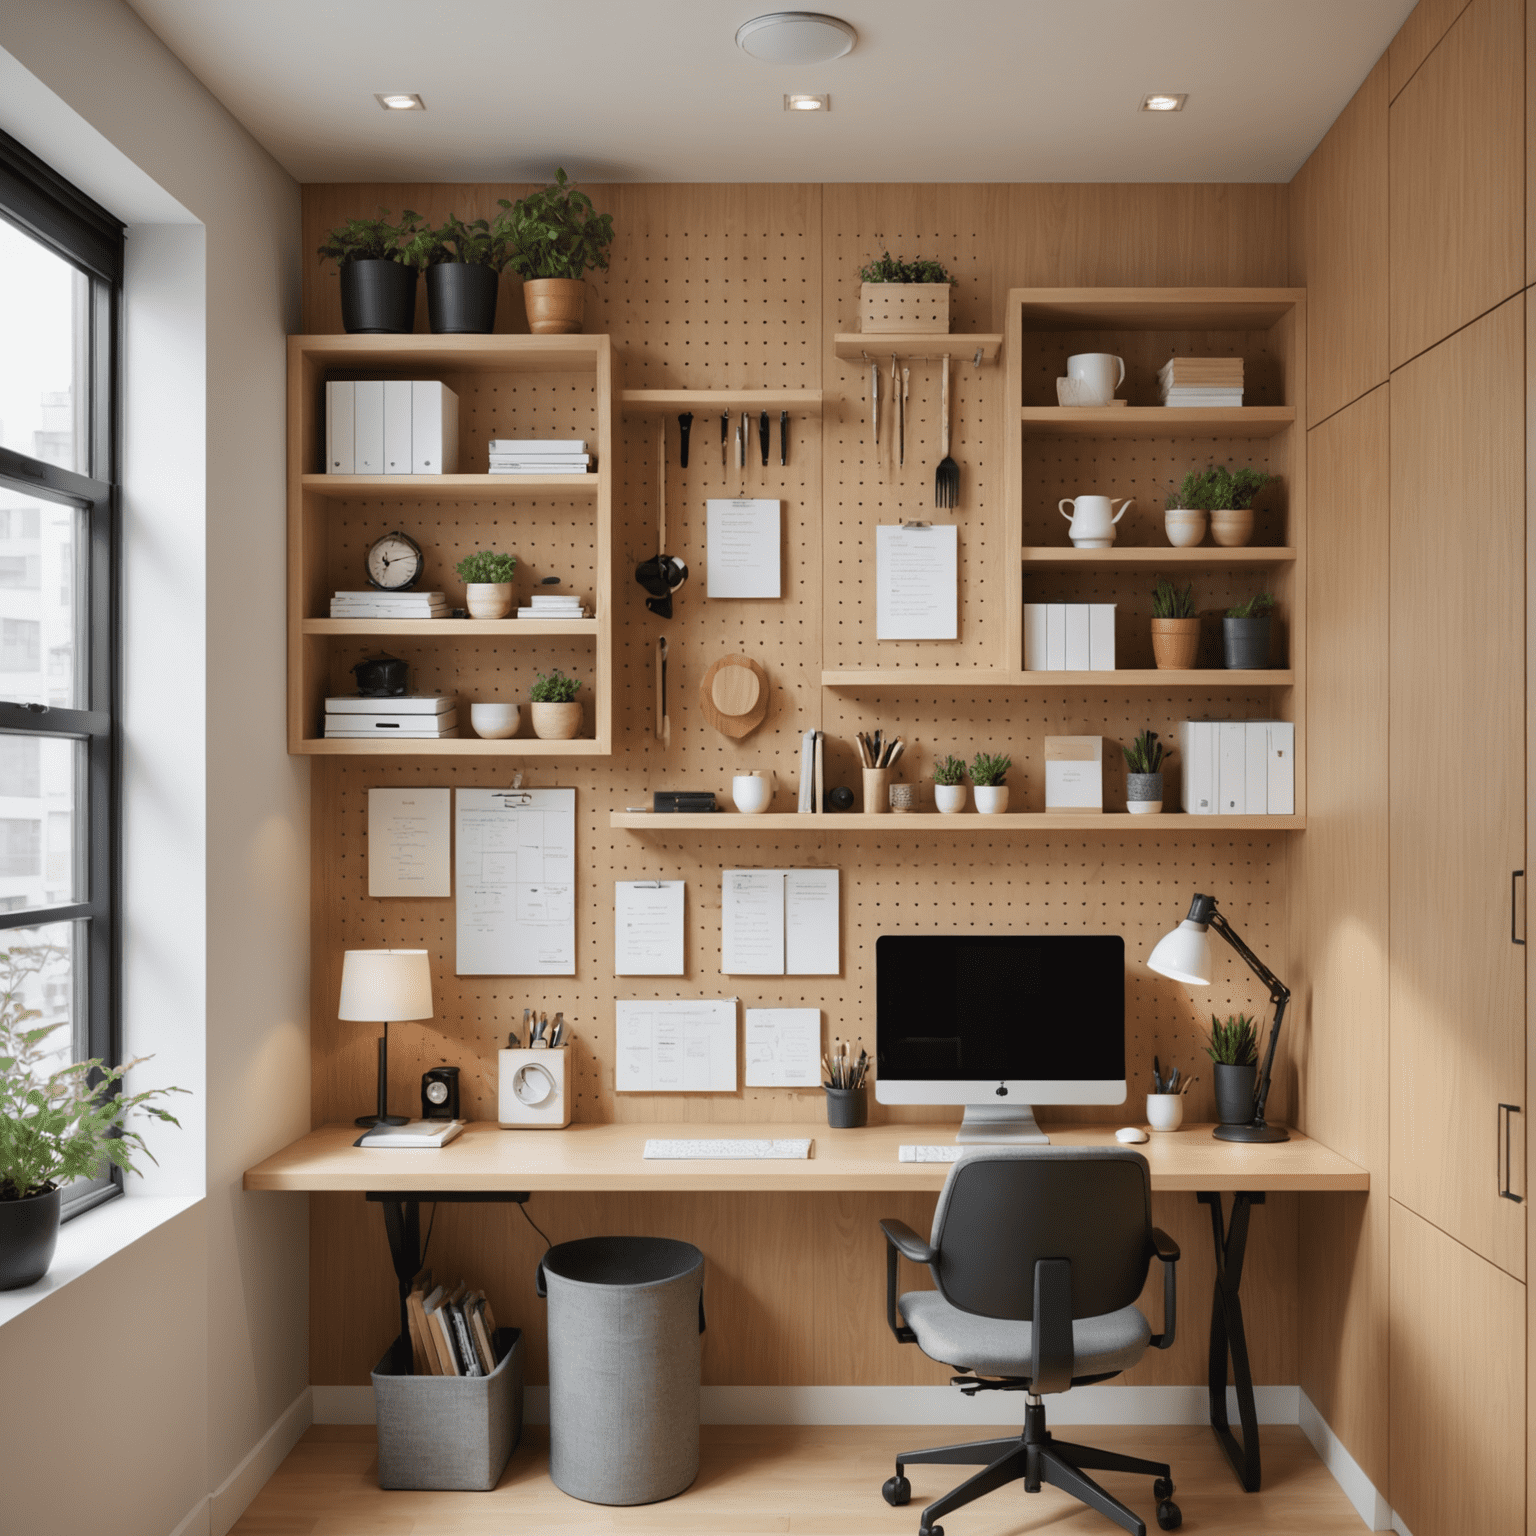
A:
[(384, 986), (1185, 955)]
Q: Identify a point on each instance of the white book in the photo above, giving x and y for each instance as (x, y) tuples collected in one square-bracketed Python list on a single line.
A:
[(1101, 637), (341, 735), (560, 447), (1232, 767), (1257, 766), (1074, 773), (340, 396), (368, 427), (1282, 768), (374, 595), (1204, 399), (398, 704), (395, 725), (1197, 753), (1034, 637), (397, 426), (807, 772), (1055, 637), (434, 428), (1077, 654), (414, 1133)]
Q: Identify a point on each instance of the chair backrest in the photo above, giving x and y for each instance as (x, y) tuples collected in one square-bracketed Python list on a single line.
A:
[(1003, 1208)]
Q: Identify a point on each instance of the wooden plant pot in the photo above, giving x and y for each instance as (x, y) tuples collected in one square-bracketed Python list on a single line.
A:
[(1232, 527), (921, 307), (488, 599), (556, 722), (555, 305), (1175, 643)]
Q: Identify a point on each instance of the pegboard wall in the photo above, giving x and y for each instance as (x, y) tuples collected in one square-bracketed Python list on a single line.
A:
[(744, 287)]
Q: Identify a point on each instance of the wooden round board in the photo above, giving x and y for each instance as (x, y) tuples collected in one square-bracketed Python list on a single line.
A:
[(734, 695)]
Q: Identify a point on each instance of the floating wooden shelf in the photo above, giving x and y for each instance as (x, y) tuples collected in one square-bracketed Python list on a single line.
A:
[(965, 823), (659, 402), (383, 357), (1155, 309), (1201, 555), (1157, 420), (451, 746), (451, 487), (1205, 680), (917, 344), (456, 629)]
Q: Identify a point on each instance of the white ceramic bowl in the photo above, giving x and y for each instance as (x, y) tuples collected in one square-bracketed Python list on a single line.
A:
[(495, 721), (1185, 526)]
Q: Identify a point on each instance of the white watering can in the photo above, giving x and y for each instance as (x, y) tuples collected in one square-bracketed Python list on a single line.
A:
[(1093, 527)]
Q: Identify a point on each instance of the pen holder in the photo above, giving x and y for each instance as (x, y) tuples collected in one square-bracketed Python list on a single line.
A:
[(847, 1108), (533, 1088), (877, 791), (903, 798), (1165, 1111)]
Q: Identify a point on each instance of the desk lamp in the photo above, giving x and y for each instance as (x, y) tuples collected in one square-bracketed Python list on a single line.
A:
[(385, 986), (1185, 955)]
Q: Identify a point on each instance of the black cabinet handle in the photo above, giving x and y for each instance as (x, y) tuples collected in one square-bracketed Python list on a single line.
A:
[(1507, 1113), (1516, 876)]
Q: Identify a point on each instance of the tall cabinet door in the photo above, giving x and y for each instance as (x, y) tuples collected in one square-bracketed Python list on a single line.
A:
[(1457, 740)]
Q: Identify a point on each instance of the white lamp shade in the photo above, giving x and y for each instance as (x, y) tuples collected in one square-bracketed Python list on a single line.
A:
[(1184, 954), (385, 985)]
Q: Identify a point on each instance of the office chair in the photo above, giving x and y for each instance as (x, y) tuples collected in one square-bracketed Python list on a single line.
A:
[(1039, 1255)]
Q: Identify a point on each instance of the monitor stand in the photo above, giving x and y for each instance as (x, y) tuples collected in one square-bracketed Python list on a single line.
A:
[(1000, 1122)]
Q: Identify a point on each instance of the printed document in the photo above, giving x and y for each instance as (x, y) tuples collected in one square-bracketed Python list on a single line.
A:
[(675, 1046), (780, 922), (648, 927), (783, 1047), (408, 842), (743, 548), (917, 582)]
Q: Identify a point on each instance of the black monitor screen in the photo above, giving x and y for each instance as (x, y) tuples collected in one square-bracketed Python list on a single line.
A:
[(1013, 1006)]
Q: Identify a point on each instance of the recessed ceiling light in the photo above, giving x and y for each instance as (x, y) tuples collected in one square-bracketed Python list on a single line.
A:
[(796, 37), (1164, 101), (800, 102), (399, 101)]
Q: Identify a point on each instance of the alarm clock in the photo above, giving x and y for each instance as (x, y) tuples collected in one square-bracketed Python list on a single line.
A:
[(394, 563), (440, 1094)]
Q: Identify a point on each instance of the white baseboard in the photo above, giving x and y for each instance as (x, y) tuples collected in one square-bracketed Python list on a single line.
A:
[(195, 1522), (229, 1500), (1372, 1508)]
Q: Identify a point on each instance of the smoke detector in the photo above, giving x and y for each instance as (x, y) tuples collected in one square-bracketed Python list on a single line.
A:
[(796, 37)]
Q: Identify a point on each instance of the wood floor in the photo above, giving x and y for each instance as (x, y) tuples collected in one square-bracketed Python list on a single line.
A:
[(803, 1480)]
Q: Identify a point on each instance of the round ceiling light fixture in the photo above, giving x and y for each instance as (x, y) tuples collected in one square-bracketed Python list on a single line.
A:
[(796, 37)]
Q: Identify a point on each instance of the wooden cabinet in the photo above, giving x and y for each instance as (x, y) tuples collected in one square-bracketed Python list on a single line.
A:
[(1457, 744)]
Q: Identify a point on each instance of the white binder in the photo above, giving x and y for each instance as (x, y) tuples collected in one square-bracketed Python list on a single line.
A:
[(339, 397), (368, 427), (397, 426)]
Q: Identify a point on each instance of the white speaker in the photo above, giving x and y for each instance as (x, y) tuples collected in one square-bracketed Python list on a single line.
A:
[(533, 1089)]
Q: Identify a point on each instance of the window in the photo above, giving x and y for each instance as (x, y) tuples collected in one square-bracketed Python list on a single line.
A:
[(60, 283)]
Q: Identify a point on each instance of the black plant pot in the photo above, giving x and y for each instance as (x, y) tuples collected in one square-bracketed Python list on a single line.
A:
[(1234, 1093), (378, 297), (28, 1231), (1246, 642), (461, 299), (847, 1108)]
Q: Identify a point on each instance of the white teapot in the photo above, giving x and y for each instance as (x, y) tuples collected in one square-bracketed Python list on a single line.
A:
[(1093, 526)]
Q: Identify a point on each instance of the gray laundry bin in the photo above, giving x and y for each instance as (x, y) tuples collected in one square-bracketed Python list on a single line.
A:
[(625, 1315)]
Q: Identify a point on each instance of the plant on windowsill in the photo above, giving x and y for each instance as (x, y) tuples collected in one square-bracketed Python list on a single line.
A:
[(1175, 626), (949, 785), (555, 709), (378, 263), (554, 237), (1234, 1051), (989, 775), (57, 1123), (487, 579), (1144, 774), (896, 295), (463, 264), (1245, 633)]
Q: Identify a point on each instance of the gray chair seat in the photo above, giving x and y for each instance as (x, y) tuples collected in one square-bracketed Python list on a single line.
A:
[(1113, 1341)]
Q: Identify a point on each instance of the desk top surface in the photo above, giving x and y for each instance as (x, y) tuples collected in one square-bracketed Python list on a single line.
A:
[(609, 1157)]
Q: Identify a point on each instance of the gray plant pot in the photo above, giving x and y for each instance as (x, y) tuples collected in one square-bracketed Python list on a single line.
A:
[(1234, 1093), (1246, 642), (1143, 787), (29, 1229)]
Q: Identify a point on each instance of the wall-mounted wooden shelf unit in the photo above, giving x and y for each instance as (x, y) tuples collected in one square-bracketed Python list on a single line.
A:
[(731, 823), (917, 346), (449, 487), (1157, 420), (661, 402), (1202, 680), (1129, 558)]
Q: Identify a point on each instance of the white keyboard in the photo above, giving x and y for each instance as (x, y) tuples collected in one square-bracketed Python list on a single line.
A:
[(950, 1154), (741, 1148)]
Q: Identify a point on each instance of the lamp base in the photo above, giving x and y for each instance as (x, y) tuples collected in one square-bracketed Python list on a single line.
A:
[(1255, 1130), (366, 1121)]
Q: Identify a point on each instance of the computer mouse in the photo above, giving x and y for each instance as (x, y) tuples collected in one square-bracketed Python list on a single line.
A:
[(1130, 1133)]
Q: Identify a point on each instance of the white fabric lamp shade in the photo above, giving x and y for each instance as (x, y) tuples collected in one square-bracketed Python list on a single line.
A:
[(383, 986), (1184, 954)]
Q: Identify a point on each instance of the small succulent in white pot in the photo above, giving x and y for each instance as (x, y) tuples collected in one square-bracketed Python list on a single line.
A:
[(989, 774), (949, 785), (1144, 774)]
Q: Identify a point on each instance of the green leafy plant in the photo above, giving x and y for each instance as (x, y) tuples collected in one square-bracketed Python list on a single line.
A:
[(476, 244), (949, 770), (891, 269), (1218, 488), (1254, 608), (63, 1123), (555, 232), (375, 240), (987, 770), (1169, 603), (1145, 754), (554, 688), (485, 567), (1235, 1043)]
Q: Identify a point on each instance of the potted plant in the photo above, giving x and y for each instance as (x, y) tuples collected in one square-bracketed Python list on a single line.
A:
[(1227, 494), (898, 295), (556, 713), (487, 579), (463, 264), (554, 237), (1144, 774), (988, 774), (1245, 633), (1183, 514), (1175, 626), (57, 1123), (1233, 1050), (377, 261), (949, 785)]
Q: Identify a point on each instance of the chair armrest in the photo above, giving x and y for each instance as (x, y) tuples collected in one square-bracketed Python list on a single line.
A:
[(901, 1240), (1168, 1253)]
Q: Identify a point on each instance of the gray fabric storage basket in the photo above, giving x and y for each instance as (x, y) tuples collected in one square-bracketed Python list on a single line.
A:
[(449, 1431), (625, 1361)]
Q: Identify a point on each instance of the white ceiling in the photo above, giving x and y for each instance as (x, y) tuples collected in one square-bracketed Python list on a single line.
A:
[(656, 90)]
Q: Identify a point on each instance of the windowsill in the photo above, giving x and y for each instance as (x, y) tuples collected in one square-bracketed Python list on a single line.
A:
[(92, 1238)]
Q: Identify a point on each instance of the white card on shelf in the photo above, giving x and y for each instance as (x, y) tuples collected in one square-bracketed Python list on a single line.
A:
[(917, 582), (783, 1047), (648, 927), (408, 841), (672, 1046)]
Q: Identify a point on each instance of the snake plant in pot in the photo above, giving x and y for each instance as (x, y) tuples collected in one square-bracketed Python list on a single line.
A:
[(555, 236), (1175, 626), (1234, 1053), (377, 261), (1144, 774), (1245, 633)]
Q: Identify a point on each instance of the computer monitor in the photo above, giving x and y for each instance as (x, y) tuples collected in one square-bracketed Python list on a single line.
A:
[(1000, 1023)]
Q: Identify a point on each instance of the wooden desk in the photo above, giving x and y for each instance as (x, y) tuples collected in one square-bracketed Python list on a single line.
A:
[(487, 1163)]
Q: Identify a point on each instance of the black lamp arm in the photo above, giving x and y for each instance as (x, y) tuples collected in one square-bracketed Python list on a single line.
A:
[(1279, 993)]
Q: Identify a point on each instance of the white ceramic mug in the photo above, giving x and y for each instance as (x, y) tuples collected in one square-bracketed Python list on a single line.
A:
[(753, 792), (1102, 372), (1093, 526), (1165, 1111)]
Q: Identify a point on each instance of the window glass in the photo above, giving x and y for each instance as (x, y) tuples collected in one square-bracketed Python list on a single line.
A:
[(37, 977), (40, 784), (40, 604)]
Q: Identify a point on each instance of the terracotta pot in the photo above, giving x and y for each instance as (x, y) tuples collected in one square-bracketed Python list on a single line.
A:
[(1175, 643), (488, 599), (29, 1229), (991, 799), (1232, 527), (556, 722), (554, 304)]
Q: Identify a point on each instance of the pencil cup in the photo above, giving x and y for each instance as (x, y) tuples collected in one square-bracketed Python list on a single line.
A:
[(1165, 1111), (877, 791), (903, 797), (847, 1108)]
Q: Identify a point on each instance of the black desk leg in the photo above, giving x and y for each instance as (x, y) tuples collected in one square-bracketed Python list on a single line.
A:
[(402, 1225), (1229, 1338)]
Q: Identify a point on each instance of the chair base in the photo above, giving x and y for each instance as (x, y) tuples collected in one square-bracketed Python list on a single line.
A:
[(1038, 1458)]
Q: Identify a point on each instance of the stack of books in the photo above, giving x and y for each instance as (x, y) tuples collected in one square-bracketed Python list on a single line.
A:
[(407, 716), (453, 1330), (550, 456), (1202, 381), (389, 605), (552, 607)]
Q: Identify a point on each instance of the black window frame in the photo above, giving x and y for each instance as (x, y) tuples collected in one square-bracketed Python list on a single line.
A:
[(40, 203)]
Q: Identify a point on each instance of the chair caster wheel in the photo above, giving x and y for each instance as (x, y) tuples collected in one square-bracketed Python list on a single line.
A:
[(1162, 1488), (1169, 1516), (897, 1490)]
